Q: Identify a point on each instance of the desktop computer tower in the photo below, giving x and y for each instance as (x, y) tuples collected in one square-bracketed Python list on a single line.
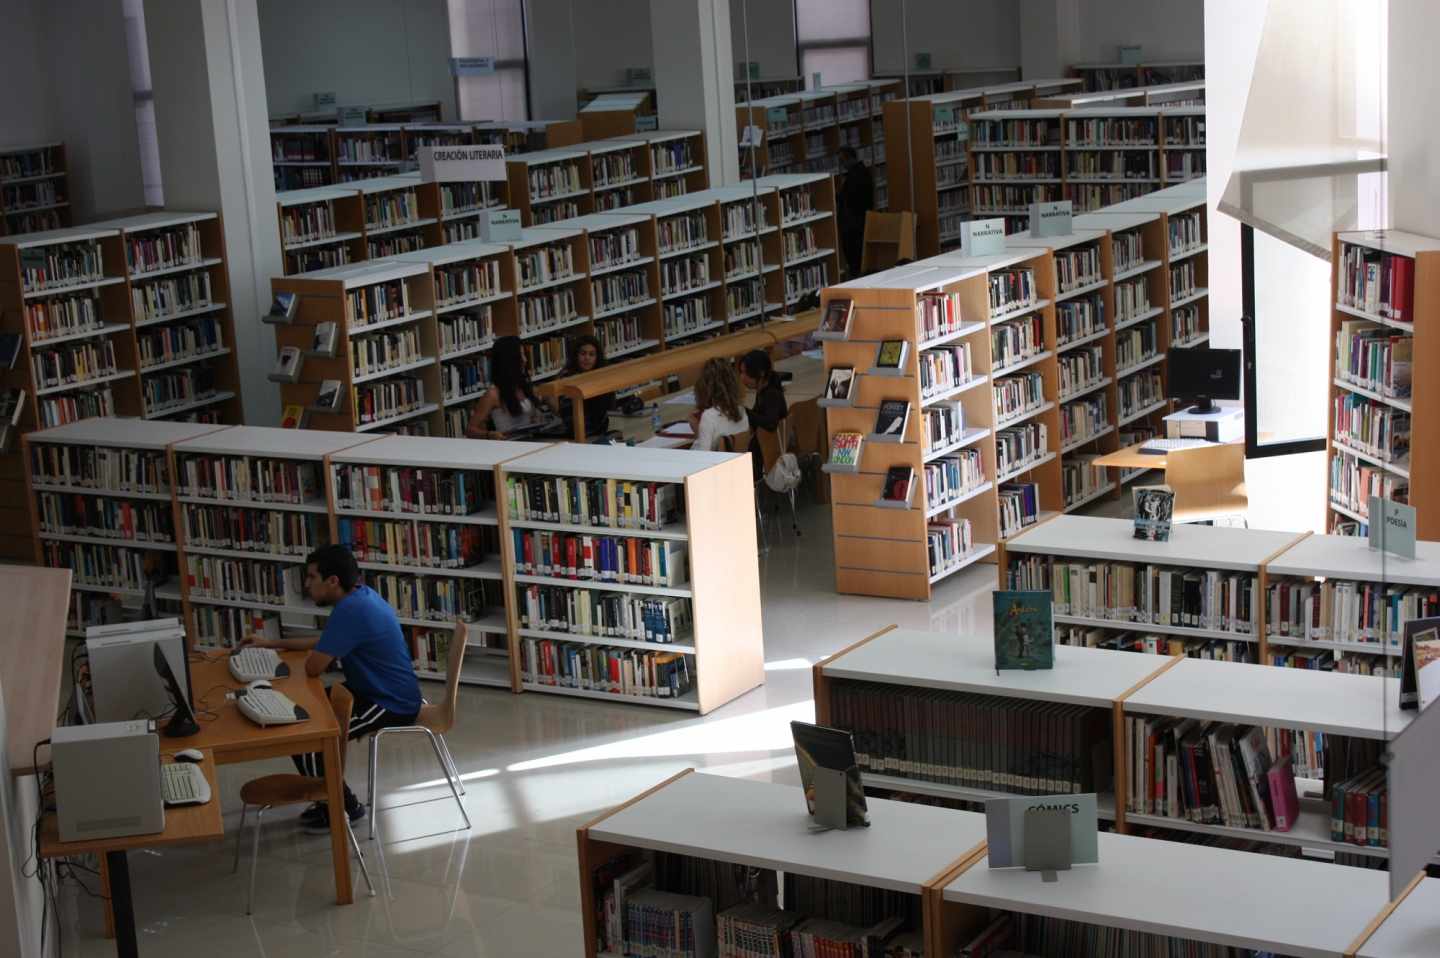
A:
[(107, 780), (123, 679)]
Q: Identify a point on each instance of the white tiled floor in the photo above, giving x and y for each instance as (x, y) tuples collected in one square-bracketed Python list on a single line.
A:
[(536, 766)]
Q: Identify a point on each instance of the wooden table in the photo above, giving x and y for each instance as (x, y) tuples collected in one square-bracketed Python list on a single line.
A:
[(1132, 458), (184, 824), (633, 372)]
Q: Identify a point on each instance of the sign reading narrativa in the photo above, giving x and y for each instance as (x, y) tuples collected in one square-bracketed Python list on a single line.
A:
[(461, 164)]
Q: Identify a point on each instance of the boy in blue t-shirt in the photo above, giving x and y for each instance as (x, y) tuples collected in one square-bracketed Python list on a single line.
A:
[(363, 632)]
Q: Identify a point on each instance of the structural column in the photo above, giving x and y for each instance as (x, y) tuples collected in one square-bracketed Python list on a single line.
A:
[(693, 71), (1049, 37), (211, 116)]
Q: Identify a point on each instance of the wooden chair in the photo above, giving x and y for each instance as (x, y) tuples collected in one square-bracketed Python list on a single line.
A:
[(1209, 482), (273, 791), (432, 722), (772, 446)]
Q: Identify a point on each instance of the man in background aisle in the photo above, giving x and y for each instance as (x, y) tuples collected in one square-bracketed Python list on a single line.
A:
[(363, 632), (855, 199)]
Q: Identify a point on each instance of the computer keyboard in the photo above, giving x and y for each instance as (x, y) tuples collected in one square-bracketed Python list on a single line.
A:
[(269, 707), (1158, 447), (250, 664), (183, 783)]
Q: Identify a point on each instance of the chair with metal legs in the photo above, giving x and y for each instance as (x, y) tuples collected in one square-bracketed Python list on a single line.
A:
[(273, 791), (432, 722)]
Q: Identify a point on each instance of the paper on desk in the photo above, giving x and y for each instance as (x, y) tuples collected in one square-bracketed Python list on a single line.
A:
[(686, 397), (681, 428)]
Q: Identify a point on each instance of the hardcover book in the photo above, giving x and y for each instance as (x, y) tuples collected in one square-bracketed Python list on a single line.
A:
[(841, 384), (1154, 505), (287, 365), (891, 419), (293, 417), (328, 399), (9, 349), (845, 449), (324, 342), (1419, 685), (1024, 630), (891, 354), (835, 324), (899, 484), (282, 309)]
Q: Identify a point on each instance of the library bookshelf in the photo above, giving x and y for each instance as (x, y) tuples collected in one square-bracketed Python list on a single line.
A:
[(1381, 386), (619, 173), (928, 868), (929, 163), (780, 146), (614, 112), (1124, 76), (34, 189), (369, 150), (750, 240), (550, 185), (679, 163), (624, 276), (711, 616), (691, 265), (369, 331), (552, 295), (394, 542), (303, 156), (757, 88), (93, 488), (877, 687), (321, 227), (809, 233), (186, 353), (402, 214)]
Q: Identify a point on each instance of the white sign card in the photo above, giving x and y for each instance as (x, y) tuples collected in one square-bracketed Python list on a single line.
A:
[(353, 115), (752, 136), (472, 66), (500, 226), (1005, 827), (646, 123), (1392, 527), (325, 100), (461, 164), (1051, 219), (982, 237)]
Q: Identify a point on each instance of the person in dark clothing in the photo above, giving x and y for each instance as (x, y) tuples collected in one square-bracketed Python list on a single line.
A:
[(586, 354), (758, 375), (856, 198)]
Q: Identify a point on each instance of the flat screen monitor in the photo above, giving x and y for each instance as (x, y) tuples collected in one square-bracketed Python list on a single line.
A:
[(1201, 375)]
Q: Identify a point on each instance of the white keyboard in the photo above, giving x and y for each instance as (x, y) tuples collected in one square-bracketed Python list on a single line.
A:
[(183, 783), (1158, 447), (251, 663), (269, 707)]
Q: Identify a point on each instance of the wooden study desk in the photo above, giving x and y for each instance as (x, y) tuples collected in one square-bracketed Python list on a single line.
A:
[(1132, 458), (633, 372), (184, 824)]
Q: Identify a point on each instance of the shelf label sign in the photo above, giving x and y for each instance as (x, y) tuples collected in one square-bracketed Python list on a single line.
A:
[(777, 118), (325, 100), (1392, 527), (638, 75), (352, 115), (753, 136), (461, 164), (646, 123), (922, 61), (472, 66), (982, 237), (1006, 820), (1051, 219), (500, 226)]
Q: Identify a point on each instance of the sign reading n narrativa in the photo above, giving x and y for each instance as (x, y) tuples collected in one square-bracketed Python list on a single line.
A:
[(982, 237), (461, 164), (1051, 219)]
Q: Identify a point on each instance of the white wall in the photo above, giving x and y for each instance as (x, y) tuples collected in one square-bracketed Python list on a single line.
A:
[(978, 34), (771, 35), (1164, 29), (26, 113), (364, 51), (609, 38), (551, 38), (1414, 144)]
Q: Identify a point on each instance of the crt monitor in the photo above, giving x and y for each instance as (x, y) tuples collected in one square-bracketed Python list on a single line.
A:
[(1203, 375), (182, 722)]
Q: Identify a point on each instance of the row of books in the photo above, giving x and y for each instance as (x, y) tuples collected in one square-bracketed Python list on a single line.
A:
[(687, 317), (1080, 368), (1017, 445), (549, 309), (277, 533), (742, 259), (393, 244), (1081, 479), (1353, 481), (1186, 231), (1132, 297), (624, 560), (376, 402), (106, 518), (1088, 416), (945, 368), (1112, 164), (73, 363), (99, 565), (248, 479), (617, 290), (369, 147), (1338, 610), (953, 477), (554, 179), (995, 166), (681, 273), (430, 598), (1378, 429), (62, 316), (476, 279), (808, 278), (243, 580), (307, 222), (378, 303), (739, 219), (102, 468), (631, 673), (948, 540), (163, 249), (796, 204), (384, 350), (1017, 340), (594, 612), (189, 340), (1016, 133), (57, 265), (409, 490), (1185, 325), (602, 503), (466, 329), (464, 378), (1374, 357), (939, 315), (424, 545), (59, 410), (1077, 267), (1111, 131), (1375, 282), (1019, 506), (391, 208), (1136, 344), (1018, 395), (544, 264), (1218, 650), (1078, 318), (1127, 249), (168, 296), (999, 200), (1139, 391), (546, 357), (1144, 593), (223, 627)]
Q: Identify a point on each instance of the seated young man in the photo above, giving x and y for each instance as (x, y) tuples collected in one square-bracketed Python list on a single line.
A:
[(363, 632)]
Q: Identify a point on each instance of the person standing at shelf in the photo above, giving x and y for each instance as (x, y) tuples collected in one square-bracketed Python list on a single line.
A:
[(586, 355), (770, 408), (855, 199), (718, 413), (510, 405), (363, 632)]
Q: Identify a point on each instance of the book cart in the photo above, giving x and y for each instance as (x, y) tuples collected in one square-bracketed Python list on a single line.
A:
[(926, 870), (1381, 386), (34, 189), (702, 629)]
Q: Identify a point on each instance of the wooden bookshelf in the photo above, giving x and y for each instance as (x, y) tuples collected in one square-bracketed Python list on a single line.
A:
[(34, 189), (691, 265), (756, 88), (460, 204), (809, 234), (402, 214), (321, 227), (420, 111), (187, 358), (1406, 473), (624, 274), (1015, 161), (678, 161), (109, 572), (615, 112), (303, 156), (781, 146), (400, 397), (752, 261), (928, 155), (1111, 154), (369, 150), (487, 601), (723, 644), (550, 185), (552, 295), (618, 174)]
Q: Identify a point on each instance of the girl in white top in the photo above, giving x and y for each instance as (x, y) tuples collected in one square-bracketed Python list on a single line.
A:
[(718, 412)]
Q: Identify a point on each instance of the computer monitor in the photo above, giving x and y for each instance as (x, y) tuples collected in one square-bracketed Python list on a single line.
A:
[(123, 681), (1203, 375), (182, 722)]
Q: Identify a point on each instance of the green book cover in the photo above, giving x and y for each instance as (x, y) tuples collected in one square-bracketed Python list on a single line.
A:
[(1024, 630)]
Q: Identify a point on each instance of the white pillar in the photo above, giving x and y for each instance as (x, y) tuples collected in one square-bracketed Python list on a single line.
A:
[(550, 40), (694, 77), (210, 111), (1413, 145), (1049, 38)]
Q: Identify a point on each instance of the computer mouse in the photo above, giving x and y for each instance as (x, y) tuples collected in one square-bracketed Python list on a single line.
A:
[(189, 755), (259, 684)]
